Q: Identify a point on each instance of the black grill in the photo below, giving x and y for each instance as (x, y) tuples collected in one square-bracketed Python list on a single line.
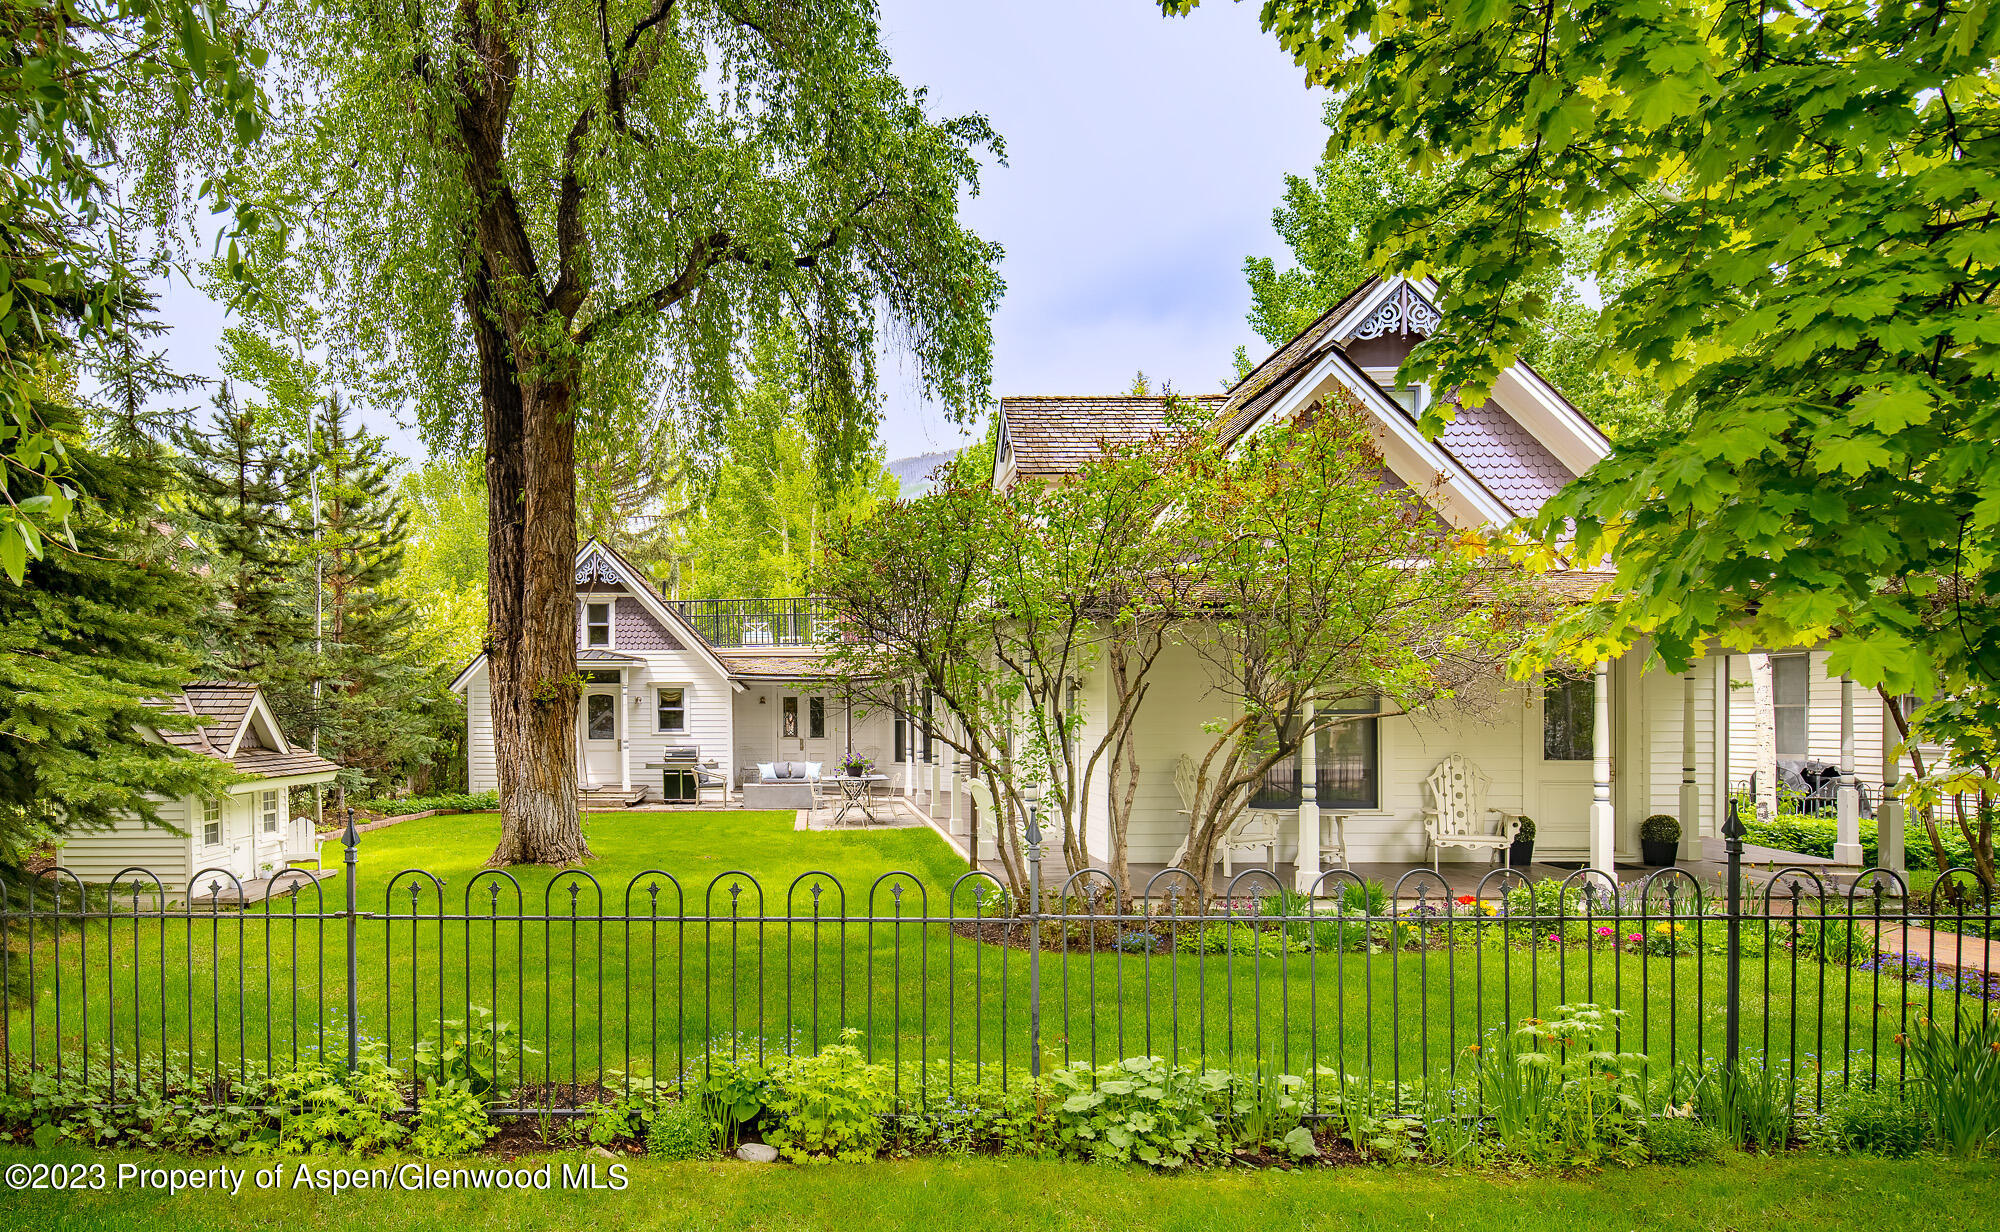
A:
[(680, 782)]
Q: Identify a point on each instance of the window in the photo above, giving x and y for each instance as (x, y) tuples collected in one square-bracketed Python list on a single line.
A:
[(673, 710), (600, 716), (1569, 705), (211, 823), (816, 717), (791, 728), (1788, 703), (1345, 757), (597, 625), (270, 810), (601, 675)]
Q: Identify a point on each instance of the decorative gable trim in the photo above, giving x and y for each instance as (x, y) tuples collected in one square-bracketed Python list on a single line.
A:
[(1400, 310), (592, 566)]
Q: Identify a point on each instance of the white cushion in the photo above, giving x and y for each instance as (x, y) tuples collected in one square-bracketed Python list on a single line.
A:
[(812, 771), (764, 771)]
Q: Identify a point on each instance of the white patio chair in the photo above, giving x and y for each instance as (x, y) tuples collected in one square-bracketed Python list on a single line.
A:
[(1456, 814), (1253, 828)]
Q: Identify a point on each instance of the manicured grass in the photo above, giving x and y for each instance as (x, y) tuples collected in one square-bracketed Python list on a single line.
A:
[(631, 996), (1810, 1193)]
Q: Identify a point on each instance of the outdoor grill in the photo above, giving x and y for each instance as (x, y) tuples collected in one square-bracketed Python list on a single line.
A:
[(680, 781)]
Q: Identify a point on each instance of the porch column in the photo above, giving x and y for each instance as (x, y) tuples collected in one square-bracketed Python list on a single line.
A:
[(624, 736), (1691, 827), (1889, 809), (910, 747), (1305, 868), (1847, 797), (1603, 824)]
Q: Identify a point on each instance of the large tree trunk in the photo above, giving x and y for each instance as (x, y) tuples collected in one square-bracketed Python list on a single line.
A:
[(531, 601)]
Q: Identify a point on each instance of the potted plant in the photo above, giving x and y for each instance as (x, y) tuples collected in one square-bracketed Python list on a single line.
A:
[(1659, 839), (1522, 853), (854, 766)]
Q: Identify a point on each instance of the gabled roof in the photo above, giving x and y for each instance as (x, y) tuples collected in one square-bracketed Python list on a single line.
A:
[(1495, 464), (595, 560), (228, 715)]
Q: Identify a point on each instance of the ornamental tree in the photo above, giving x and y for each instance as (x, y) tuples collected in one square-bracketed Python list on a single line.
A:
[(1330, 592), (531, 216)]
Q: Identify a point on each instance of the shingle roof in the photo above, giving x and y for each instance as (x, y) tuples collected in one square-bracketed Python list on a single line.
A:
[(219, 707), (1505, 457), (266, 764), (1054, 435), (769, 664), (1263, 385)]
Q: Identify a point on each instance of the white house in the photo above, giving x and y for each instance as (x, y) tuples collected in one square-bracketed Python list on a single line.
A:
[(1586, 758), (249, 831), (730, 683)]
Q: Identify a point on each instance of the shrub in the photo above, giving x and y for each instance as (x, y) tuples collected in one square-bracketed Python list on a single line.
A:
[(681, 1130), (1681, 1140), (829, 1103), (1139, 1109), (479, 1053), (1525, 831), (1660, 828), (1546, 899), (451, 1120), (1875, 1123), (443, 802), (1244, 938)]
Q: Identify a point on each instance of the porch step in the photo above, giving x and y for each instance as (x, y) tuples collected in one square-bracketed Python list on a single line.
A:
[(609, 798)]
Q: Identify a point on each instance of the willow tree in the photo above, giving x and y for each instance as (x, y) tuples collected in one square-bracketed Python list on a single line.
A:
[(526, 214)]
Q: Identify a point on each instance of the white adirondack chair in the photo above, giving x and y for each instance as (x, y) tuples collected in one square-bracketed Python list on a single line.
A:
[(1254, 828), (1456, 814)]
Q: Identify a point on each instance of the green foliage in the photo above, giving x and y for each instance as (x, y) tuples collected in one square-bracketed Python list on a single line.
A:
[(1751, 1105), (1264, 1110), (1660, 828), (322, 1107), (443, 573), (1245, 938), (1557, 1090), (1140, 1109), (1955, 1065), (1368, 1117), (828, 1104), (1549, 900), (1525, 831), (731, 1090), (86, 638), (680, 1130), (451, 1120), (441, 802), (481, 1054), (1875, 1122), (1680, 1140), (1813, 836), (84, 80)]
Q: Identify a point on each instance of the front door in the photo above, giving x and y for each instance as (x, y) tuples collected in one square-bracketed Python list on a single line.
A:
[(600, 720), (1560, 767), (805, 729)]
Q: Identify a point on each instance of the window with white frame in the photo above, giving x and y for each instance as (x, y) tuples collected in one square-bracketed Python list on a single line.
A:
[(1790, 691), (673, 715), (270, 811), (211, 823), (597, 625)]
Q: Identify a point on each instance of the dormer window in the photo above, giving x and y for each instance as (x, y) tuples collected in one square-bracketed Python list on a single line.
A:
[(597, 625)]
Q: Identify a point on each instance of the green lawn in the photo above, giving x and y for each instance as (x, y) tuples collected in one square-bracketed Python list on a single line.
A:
[(1812, 1193), (635, 996)]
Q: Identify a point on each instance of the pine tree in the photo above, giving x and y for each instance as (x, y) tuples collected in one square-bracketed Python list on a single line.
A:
[(90, 634), (380, 704), (244, 488)]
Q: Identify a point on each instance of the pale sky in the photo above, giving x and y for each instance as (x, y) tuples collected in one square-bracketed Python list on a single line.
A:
[(1144, 158)]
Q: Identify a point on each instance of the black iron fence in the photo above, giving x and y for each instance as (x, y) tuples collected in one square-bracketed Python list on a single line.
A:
[(571, 991)]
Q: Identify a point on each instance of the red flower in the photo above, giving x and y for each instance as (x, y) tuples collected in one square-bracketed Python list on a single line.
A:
[(1466, 900)]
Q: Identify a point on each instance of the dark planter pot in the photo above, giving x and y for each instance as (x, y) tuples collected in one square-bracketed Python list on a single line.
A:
[(1521, 853), (1659, 852)]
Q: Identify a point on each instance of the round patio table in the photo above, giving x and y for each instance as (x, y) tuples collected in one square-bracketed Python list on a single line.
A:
[(857, 793)]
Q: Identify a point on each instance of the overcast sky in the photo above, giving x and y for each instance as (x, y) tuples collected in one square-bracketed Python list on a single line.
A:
[(1144, 157)]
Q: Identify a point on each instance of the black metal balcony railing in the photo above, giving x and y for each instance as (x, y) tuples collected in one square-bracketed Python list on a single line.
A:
[(799, 620)]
